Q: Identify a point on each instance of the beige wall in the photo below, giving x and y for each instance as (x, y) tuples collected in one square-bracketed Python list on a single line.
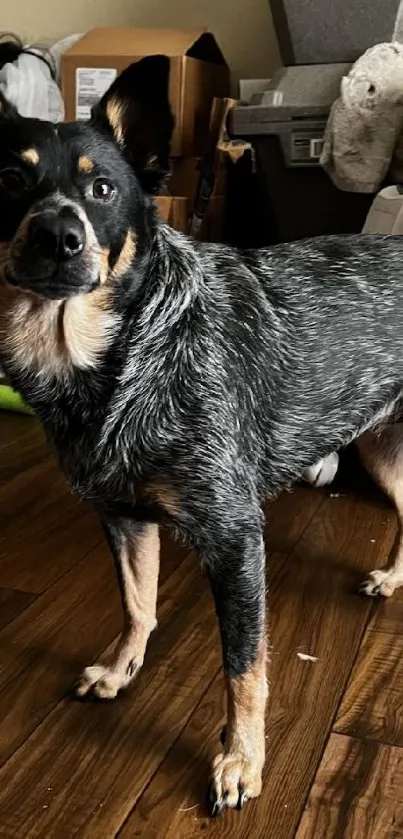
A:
[(243, 27)]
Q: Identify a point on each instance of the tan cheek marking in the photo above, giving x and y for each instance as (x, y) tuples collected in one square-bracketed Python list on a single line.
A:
[(31, 156), (104, 265), (126, 256), (85, 164), (115, 114), (29, 331)]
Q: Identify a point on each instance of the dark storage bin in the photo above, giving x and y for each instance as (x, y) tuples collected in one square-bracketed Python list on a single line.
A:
[(286, 126)]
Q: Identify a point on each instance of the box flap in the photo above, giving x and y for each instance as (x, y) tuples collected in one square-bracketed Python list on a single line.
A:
[(196, 43)]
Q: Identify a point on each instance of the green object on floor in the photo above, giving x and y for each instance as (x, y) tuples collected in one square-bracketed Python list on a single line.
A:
[(12, 401)]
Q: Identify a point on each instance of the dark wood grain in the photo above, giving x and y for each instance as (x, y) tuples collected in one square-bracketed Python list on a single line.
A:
[(34, 561), (358, 792), (15, 461), (15, 427), (43, 650), (289, 516), (12, 603), (115, 748), (372, 706)]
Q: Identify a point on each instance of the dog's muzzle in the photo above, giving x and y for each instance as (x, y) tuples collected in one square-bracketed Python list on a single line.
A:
[(55, 237), (55, 252)]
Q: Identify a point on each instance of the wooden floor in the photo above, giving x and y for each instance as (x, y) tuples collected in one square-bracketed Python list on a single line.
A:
[(138, 766)]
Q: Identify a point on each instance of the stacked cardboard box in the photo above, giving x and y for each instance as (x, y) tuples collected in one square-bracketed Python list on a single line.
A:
[(198, 185), (198, 87)]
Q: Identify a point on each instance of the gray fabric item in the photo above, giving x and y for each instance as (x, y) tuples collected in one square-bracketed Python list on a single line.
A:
[(365, 123)]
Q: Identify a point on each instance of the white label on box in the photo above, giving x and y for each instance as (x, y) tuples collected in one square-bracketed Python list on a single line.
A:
[(91, 84)]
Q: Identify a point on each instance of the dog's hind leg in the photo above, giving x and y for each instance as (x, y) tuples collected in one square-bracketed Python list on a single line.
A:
[(236, 567), (382, 456), (135, 548)]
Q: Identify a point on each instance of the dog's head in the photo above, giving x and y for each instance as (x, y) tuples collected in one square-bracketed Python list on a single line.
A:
[(73, 196)]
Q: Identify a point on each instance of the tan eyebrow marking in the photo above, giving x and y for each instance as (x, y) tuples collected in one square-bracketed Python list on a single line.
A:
[(85, 164), (31, 156)]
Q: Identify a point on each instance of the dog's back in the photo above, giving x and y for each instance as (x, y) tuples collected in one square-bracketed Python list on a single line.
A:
[(309, 336)]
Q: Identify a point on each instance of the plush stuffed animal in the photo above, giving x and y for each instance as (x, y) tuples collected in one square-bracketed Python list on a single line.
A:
[(365, 123)]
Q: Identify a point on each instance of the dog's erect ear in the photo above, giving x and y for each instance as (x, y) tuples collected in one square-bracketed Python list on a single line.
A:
[(7, 110), (136, 109)]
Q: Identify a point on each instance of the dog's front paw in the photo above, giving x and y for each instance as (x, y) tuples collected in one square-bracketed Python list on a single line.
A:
[(381, 583), (234, 779), (101, 682)]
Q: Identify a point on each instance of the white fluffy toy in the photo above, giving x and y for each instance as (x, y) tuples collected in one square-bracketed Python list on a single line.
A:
[(363, 138)]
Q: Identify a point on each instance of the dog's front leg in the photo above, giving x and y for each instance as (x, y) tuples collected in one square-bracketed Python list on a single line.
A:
[(236, 569), (135, 548)]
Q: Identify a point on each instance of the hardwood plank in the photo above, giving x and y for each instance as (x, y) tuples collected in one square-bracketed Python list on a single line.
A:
[(97, 758), (314, 609), (372, 706), (12, 603), (358, 792), (44, 530), (34, 562), (15, 427), (288, 517), (41, 485), (21, 455), (44, 650)]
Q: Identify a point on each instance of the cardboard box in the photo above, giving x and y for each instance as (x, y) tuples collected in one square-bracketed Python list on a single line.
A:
[(197, 188), (176, 210), (213, 170), (198, 73), (177, 207)]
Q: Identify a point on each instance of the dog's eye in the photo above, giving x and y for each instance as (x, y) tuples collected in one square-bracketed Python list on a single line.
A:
[(102, 189), (12, 182)]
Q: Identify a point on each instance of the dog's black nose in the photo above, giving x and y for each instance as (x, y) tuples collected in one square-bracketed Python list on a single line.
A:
[(57, 236)]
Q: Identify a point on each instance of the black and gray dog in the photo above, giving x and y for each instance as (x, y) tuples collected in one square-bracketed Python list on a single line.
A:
[(181, 383)]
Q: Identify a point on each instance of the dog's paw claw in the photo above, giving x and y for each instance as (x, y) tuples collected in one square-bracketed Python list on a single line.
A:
[(234, 780), (380, 583), (242, 799), (216, 805)]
